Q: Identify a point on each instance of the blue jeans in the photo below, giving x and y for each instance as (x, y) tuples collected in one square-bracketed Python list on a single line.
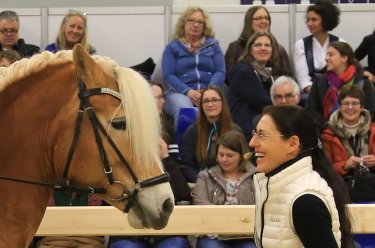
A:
[(207, 242), (174, 102), (169, 242)]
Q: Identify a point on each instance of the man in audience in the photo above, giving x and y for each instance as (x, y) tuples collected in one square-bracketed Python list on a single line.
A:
[(9, 36), (285, 90)]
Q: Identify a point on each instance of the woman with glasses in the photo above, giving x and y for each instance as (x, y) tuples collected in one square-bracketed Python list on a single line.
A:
[(191, 62), (229, 182), (251, 80), (309, 52), (350, 137), (73, 30), (300, 201), (257, 18), (199, 142), (342, 69)]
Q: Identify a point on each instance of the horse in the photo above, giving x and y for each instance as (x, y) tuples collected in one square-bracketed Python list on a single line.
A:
[(85, 120)]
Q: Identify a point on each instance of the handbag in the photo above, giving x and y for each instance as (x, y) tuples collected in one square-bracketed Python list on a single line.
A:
[(361, 185)]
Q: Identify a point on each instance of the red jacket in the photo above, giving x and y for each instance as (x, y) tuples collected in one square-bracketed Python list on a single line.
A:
[(336, 152)]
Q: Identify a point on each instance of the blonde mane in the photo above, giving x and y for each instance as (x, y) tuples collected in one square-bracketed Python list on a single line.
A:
[(142, 118)]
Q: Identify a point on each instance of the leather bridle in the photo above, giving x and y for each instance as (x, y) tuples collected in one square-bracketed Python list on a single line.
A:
[(85, 106)]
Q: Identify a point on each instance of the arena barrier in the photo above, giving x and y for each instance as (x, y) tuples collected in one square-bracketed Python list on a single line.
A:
[(186, 220)]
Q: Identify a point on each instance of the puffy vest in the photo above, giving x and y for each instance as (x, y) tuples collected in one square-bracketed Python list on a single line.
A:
[(274, 201)]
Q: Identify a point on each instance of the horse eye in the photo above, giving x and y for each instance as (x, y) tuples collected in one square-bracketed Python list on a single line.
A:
[(119, 123)]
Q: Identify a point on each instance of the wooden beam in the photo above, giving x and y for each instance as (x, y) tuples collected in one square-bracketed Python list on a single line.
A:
[(188, 220)]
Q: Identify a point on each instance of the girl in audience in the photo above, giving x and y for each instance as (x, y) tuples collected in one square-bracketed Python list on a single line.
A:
[(199, 142), (191, 62), (73, 30), (350, 137), (309, 53), (8, 57), (229, 182), (251, 80), (300, 201), (367, 48), (342, 69), (257, 18)]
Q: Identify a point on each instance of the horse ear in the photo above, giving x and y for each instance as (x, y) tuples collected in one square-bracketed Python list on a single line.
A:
[(85, 65)]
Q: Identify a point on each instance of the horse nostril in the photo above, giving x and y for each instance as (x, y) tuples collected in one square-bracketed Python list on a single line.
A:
[(168, 205)]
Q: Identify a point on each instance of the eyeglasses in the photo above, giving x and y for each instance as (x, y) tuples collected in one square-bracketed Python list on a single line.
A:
[(263, 136), (259, 18), (353, 104), (193, 21), (259, 45), (288, 96), (76, 12), (11, 31), (214, 101)]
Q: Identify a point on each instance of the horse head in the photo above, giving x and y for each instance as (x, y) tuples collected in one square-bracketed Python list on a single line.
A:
[(117, 147)]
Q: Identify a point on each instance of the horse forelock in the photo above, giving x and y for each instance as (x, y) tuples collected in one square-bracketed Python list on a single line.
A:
[(142, 118)]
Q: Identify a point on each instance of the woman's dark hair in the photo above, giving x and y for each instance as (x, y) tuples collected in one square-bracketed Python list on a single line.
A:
[(248, 30), (294, 120), (351, 91), (329, 13), (203, 123), (235, 141), (346, 50)]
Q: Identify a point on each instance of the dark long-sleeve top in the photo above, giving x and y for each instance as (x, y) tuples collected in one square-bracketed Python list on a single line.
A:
[(247, 96), (367, 48)]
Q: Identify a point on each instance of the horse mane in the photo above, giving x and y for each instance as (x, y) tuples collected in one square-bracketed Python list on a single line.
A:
[(137, 99)]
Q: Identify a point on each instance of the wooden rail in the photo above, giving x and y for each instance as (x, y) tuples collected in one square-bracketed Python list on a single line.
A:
[(188, 220)]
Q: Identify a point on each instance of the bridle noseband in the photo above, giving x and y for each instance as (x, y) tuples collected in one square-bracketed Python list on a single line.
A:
[(128, 196)]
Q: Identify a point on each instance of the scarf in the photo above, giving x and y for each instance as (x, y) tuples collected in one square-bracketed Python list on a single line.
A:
[(335, 83), (264, 73), (193, 47)]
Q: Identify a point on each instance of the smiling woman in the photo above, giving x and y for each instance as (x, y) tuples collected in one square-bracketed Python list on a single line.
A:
[(73, 30)]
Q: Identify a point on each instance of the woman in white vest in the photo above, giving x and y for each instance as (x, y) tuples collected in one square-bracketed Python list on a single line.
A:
[(300, 199)]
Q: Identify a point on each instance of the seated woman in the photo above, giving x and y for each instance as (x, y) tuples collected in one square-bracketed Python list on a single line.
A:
[(342, 69), (73, 30), (309, 52), (191, 62), (229, 182), (257, 18), (199, 142), (251, 80), (350, 137), (180, 188), (300, 201), (367, 48)]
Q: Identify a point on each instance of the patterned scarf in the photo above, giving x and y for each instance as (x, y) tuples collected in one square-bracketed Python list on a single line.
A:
[(193, 47), (264, 73), (335, 82)]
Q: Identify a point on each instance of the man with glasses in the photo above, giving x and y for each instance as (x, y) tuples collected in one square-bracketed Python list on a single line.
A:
[(9, 35), (285, 90)]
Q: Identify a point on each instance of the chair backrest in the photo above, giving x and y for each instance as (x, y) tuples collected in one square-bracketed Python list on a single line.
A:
[(186, 117)]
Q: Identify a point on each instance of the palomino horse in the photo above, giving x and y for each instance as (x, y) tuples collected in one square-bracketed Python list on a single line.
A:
[(87, 121)]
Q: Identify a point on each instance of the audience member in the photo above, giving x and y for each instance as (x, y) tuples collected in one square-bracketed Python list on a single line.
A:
[(367, 48), (192, 61), (285, 90), (199, 142), (229, 182), (350, 138), (9, 35), (342, 69), (300, 201), (73, 30), (309, 53), (8, 57), (251, 80), (180, 188), (257, 18)]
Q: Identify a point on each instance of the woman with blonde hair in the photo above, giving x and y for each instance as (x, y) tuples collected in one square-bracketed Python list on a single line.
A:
[(191, 62), (73, 30)]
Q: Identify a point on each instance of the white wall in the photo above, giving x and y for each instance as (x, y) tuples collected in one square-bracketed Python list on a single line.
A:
[(130, 34)]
